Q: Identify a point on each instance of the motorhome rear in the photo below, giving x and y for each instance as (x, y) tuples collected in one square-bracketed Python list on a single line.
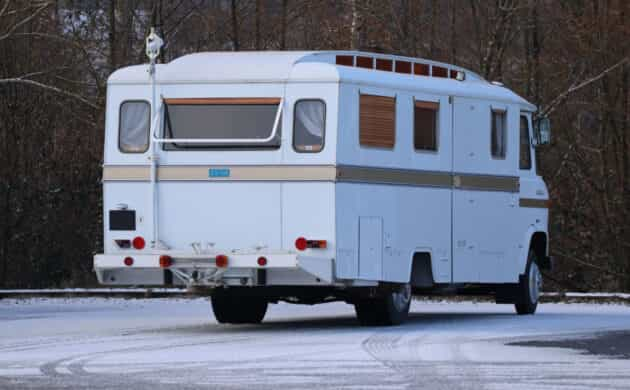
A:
[(310, 177)]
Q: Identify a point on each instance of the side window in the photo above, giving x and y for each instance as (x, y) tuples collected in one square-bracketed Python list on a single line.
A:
[(309, 125), (425, 125), (377, 121), (133, 127), (525, 159), (498, 137)]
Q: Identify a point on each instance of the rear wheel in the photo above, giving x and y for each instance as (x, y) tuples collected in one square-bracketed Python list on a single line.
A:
[(229, 308), (529, 287), (391, 308)]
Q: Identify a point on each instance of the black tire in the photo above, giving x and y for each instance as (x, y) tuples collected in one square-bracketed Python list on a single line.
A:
[(392, 308), (529, 287), (229, 308)]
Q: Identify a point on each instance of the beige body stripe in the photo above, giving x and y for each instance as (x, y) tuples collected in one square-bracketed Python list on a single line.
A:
[(393, 176), (316, 173), (485, 182), (534, 203)]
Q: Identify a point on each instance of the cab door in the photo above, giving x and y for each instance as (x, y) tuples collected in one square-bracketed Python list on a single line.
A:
[(485, 191)]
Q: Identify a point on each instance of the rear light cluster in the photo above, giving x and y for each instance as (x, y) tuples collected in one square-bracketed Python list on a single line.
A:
[(302, 244), (137, 243)]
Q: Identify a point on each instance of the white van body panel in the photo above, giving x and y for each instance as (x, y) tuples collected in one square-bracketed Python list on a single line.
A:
[(371, 205)]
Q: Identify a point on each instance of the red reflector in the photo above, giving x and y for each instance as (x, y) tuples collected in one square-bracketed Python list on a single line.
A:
[(138, 243), (128, 261), (301, 244), (166, 261), (221, 261), (262, 261)]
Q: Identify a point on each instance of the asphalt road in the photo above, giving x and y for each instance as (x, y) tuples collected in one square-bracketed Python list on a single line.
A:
[(176, 344)]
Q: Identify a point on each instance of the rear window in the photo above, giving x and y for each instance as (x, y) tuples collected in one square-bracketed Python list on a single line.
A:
[(227, 123), (133, 127)]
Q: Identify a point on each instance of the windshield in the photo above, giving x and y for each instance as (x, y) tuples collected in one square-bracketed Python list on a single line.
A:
[(221, 120)]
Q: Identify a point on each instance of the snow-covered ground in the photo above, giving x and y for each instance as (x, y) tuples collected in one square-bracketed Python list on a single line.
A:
[(176, 344)]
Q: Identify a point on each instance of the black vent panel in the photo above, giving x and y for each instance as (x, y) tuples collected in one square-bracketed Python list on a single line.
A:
[(122, 220)]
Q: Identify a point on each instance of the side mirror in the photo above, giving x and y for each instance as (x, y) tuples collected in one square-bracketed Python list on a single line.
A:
[(542, 132)]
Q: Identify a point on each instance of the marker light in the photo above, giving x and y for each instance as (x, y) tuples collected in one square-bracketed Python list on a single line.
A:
[(166, 261), (302, 243), (221, 261), (138, 243), (128, 261), (262, 261)]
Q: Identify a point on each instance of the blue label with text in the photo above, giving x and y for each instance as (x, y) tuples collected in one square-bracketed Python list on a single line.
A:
[(219, 172)]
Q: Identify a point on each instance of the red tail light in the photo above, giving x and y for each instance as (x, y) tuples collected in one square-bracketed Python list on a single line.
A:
[(302, 243), (221, 261), (128, 261), (166, 261), (262, 261), (138, 243)]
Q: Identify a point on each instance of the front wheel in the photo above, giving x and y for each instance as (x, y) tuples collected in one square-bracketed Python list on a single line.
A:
[(529, 287), (391, 308), (229, 308)]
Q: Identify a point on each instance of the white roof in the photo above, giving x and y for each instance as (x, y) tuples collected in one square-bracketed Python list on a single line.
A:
[(305, 66)]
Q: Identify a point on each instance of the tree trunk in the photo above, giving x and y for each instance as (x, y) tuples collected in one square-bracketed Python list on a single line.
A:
[(235, 42), (113, 63), (283, 22), (258, 17)]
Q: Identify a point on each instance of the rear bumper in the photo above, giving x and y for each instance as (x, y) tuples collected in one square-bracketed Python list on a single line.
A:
[(202, 270)]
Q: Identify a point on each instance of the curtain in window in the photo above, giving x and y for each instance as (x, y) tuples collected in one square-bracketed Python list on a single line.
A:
[(310, 114), (308, 131), (134, 126)]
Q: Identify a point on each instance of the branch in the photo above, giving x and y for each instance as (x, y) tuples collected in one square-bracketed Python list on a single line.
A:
[(5, 7), (24, 21), (565, 95), (19, 80)]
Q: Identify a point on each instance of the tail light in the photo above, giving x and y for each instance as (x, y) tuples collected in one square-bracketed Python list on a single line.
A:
[(166, 261), (302, 243), (138, 243), (128, 261), (221, 261)]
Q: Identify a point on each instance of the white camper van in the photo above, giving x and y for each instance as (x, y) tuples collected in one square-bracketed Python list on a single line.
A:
[(310, 177)]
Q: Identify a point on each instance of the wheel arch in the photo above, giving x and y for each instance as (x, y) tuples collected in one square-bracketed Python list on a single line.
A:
[(538, 242)]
